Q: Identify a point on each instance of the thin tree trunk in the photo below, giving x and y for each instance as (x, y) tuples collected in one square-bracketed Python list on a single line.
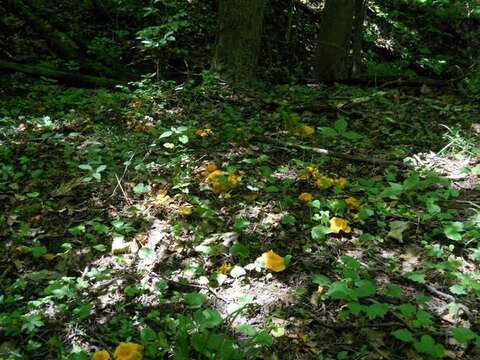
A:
[(334, 41), (238, 38), (360, 6)]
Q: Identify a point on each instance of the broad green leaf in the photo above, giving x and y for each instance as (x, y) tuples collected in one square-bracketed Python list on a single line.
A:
[(318, 232), (239, 250), (407, 310), (416, 276), (393, 191), (364, 288), (377, 311), (146, 253), (208, 318), (339, 290), (463, 335), (453, 230), (183, 139), (247, 329), (397, 228), (141, 188), (476, 170), (194, 300), (403, 335), (262, 338), (86, 167), (341, 125), (241, 224), (393, 290), (38, 251), (321, 280), (166, 134), (427, 345), (458, 289)]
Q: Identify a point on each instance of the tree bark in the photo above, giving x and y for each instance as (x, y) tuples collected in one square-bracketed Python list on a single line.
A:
[(238, 38), (57, 39), (63, 76), (360, 6), (334, 41)]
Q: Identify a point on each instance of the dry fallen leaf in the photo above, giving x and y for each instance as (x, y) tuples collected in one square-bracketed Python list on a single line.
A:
[(185, 210), (224, 268), (352, 203), (305, 197), (397, 229), (339, 224), (128, 351), (101, 355), (273, 261)]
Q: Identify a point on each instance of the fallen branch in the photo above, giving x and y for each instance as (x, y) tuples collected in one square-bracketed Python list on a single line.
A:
[(326, 152), (63, 76)]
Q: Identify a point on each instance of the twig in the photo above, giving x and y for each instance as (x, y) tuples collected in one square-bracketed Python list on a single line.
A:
[(326, 152), (127, 199), (123, 175)]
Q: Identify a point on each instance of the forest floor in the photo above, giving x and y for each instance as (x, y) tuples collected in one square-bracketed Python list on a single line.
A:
[(148, 216)]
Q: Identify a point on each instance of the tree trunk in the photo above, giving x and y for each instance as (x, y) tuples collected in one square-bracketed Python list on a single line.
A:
[(334, 43), (58, 40), (238, 38), (360, 6)]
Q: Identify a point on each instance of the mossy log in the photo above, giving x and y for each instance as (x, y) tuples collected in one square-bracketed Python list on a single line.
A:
[(62, 76)]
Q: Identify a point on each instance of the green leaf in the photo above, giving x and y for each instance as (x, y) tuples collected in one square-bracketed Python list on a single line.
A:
[(403, 335), (463, 335), (427, 345), (194, 300), (166, 134), (453, 230), (141, 188), (318, 232), (77, 230), (246, 329), (146, 253), (423, 319), (393, 191), (83, 311), (328, 132), (240, 250), (339, 290), (100, 247), (377, 311), (416, 276), (397, 229), (263, 339), (321, 280), (476, 170), (289, 220), (86, 167), (241, 224), (38, 251), (341, 125), (208, 318), (183, 139), (356, 308), (407, 310), (364, 288), (352, 135), (458, 289), (393, 290)]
